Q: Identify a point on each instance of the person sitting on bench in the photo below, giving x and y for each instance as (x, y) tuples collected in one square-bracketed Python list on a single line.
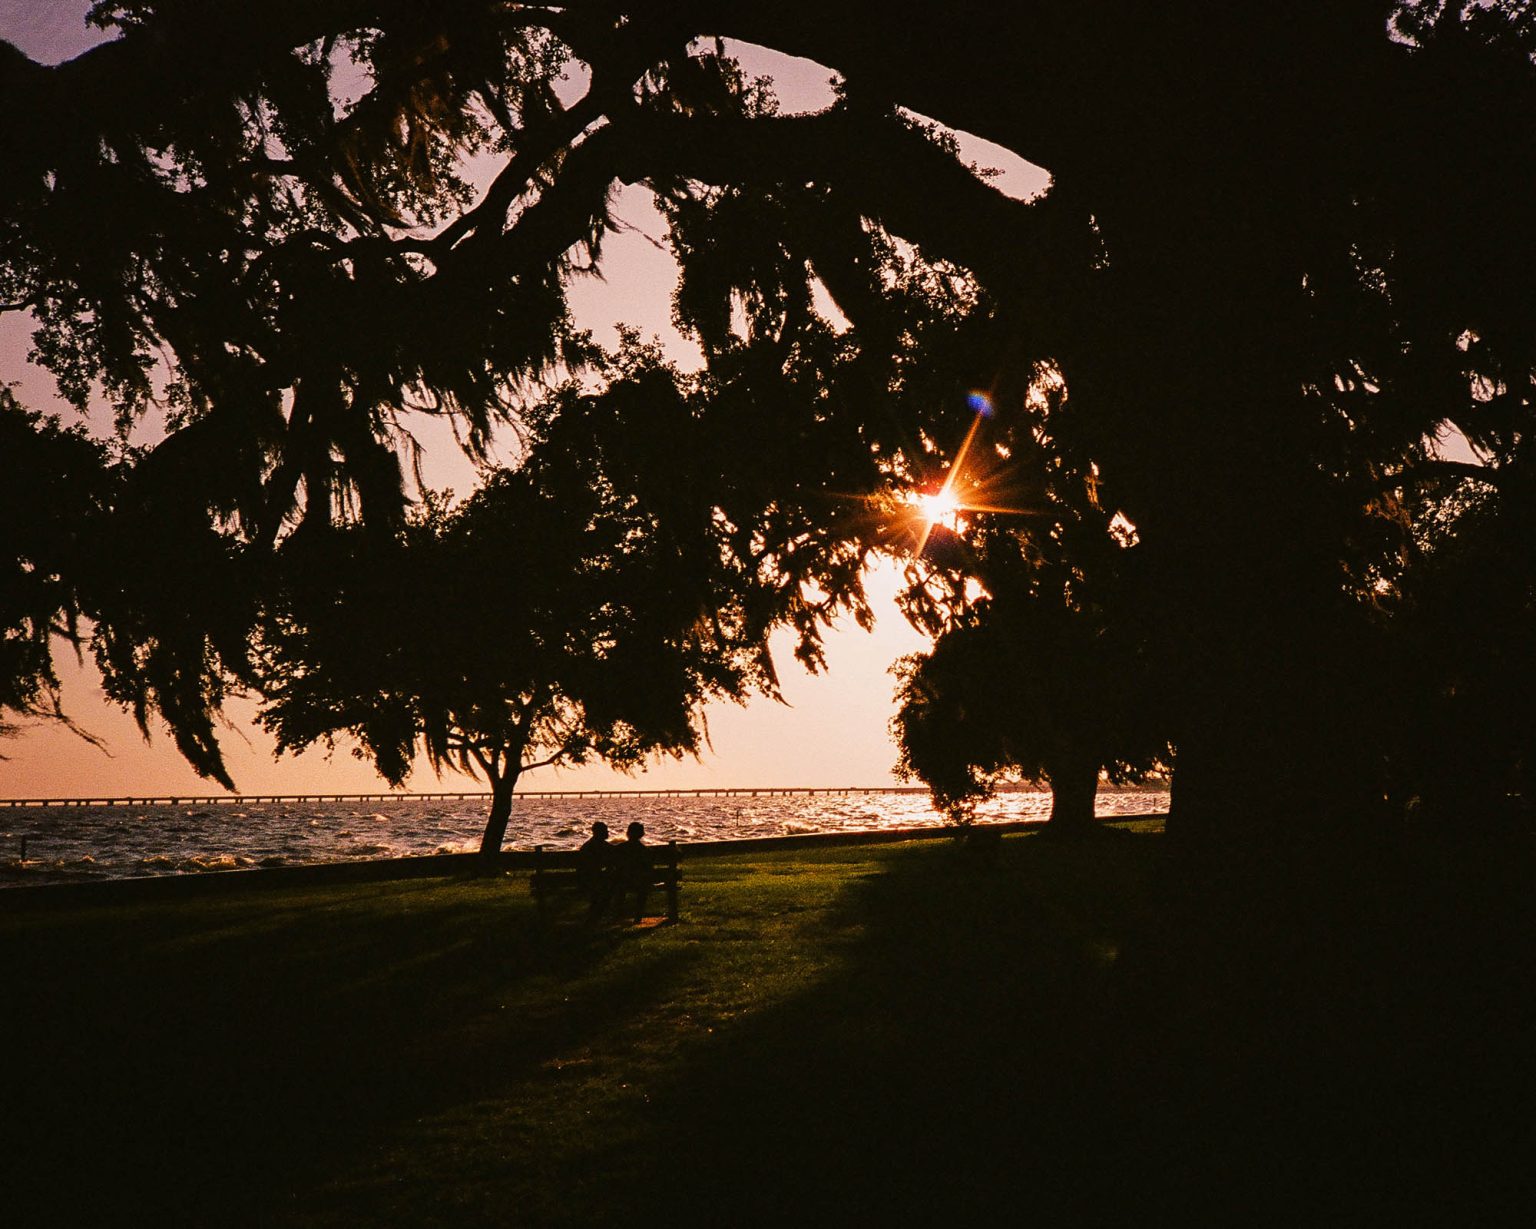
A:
[(633, 871), (593, 868)]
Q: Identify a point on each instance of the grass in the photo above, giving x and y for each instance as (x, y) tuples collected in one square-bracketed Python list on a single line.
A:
[(918, 1032)]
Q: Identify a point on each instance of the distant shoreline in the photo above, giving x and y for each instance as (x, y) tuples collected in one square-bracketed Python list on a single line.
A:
[(722, 791), (70, 843)]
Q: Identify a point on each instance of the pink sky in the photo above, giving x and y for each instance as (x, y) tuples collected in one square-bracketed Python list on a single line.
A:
[(832, 731)]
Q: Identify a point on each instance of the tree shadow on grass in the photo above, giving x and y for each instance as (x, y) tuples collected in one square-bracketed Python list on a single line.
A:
[(1041, 1033), (1047, 1037), (199, 1065), (949, 1070)]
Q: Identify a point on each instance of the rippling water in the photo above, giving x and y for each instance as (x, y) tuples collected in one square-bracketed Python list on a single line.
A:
[(72, 843)]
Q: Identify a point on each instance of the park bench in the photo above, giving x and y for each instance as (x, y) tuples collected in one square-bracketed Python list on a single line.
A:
[(555, 873)]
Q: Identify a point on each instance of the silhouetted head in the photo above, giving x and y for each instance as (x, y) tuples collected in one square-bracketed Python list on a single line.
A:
[(599, 829), (635, 831)]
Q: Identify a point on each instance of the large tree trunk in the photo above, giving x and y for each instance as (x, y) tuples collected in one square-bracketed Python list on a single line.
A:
[(501, 812), (1074, 786), (1229, 474)]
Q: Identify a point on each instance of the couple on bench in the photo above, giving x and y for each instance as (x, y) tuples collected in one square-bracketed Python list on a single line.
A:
[(608, 872)]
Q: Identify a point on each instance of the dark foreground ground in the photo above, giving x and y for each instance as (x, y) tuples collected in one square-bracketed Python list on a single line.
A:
[(913, 1034)]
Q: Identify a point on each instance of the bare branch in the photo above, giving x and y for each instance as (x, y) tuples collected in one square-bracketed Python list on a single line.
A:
[(1426, 472)]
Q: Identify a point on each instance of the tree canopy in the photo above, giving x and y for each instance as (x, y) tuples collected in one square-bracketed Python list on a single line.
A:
[(562, 612), (1274, 262), (54, 485), (1042, 667)]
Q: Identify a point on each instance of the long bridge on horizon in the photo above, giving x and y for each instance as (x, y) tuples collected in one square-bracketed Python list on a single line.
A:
[(761, 791)]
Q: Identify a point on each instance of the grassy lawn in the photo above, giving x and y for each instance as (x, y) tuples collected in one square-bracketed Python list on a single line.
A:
[(923, 1031)]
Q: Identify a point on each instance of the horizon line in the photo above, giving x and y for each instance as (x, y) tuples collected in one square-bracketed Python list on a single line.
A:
[(719, 791), (176, 799)]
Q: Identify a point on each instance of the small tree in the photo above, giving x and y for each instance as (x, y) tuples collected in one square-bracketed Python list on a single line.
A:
[(1038, 688), (550, 619), (1041, 663)]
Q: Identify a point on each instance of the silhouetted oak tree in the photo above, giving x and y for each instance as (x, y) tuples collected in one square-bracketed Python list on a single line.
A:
[(1042, 667), (1462, 728), (1041, 693), (289, 276), (1273, 261), (54, 487), (563, 612)]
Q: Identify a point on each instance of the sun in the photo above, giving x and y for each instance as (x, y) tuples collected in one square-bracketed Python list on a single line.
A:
[(942, 507)]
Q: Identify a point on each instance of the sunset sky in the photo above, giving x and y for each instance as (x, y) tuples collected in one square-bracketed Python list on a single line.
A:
[(833, 728)]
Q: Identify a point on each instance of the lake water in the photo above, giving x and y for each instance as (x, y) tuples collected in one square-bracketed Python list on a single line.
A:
[(113, 842)]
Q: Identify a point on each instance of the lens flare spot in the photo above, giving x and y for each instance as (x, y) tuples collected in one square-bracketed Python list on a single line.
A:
[(979, 402)]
